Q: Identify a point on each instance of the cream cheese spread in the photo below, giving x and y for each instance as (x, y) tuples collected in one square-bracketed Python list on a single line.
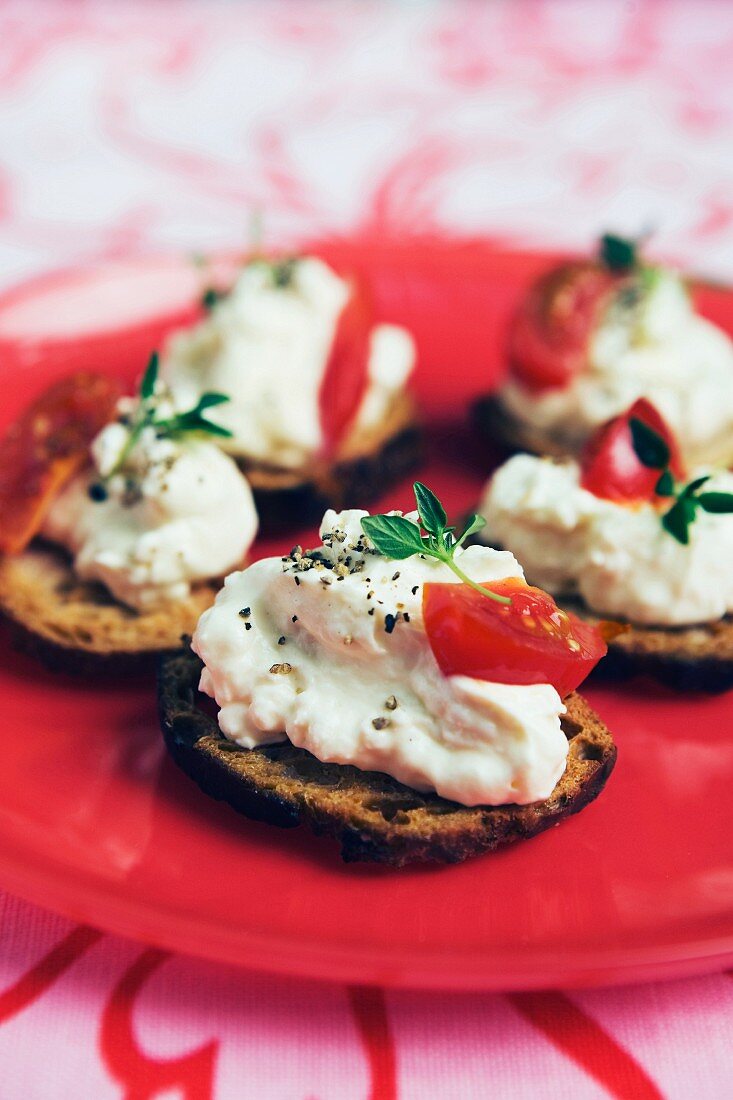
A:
[(662, 350), (333, 655), (618, 558), (267, 346), (180, 512)]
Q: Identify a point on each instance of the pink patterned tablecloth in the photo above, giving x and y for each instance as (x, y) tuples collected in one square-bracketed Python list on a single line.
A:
[(126, 125)]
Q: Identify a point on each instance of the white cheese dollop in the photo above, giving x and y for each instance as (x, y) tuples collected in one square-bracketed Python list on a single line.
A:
[(617, 557), (663, 351), (180, 513), (267, 347), (298, 654)]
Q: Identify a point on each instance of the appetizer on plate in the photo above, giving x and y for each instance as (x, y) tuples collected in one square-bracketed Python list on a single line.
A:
[(116, 513), (630, 533), (319, 412), (411, 697), (591, 337)]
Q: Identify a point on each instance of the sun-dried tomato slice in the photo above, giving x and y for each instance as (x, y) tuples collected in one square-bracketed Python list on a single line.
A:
[(45, 447), (551, 331)]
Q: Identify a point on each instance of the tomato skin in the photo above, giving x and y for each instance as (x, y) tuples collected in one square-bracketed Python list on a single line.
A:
[(474, 636), (550, 332), (345, 377), (609, 465), (43, 449)]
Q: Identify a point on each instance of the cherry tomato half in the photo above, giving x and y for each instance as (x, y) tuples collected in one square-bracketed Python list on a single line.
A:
[(530, 641), (45, 447), (345, 377), (610, 467), (550, 332)]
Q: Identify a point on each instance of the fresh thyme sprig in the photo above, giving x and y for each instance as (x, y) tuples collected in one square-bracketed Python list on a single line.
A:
[(653, 452), (397, 537), (172, 427)]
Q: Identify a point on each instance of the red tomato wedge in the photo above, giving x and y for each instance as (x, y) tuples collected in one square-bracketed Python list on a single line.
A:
[(609, 465), (530, 641), (550, 332), (45, 447), (345, 377)]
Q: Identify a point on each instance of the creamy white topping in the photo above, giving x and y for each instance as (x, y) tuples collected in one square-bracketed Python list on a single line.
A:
[(661, 350), (296, 650), (181, 512), (267, 346), (618, 558)]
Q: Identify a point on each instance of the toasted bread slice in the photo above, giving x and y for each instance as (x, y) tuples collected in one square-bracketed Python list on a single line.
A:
[(367, 462), (372, 816), (689, 658), (72, 626)]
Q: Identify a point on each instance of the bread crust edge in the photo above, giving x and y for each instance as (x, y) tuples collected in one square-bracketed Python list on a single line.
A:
[(372, 816)]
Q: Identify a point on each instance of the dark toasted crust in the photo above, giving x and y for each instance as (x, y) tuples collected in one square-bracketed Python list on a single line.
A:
[(373, 817), (78, 628), (367, 465), (689, 658), (508, 434)]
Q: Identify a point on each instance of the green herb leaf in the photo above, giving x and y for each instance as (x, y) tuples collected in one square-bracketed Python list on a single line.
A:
[(207, 427), (719, 503), (211, 297), (650, 448), (618, 253), (432, 512), (665, 485), (209, 400), (678, 519), (397, 537), (475, 523), (147, 386), (393, 536), (692, 486)]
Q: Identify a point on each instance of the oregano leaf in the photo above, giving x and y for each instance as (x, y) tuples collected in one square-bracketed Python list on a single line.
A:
[(665, 485), (618, 253), (211, 297), (431, 511), (209, 400), (393, 536), (475, 523), (147, 386), (678, 519), (691, 488), (650, 448), (717, 503)]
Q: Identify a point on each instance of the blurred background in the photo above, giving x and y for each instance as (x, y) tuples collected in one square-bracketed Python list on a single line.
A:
[(129, 125)]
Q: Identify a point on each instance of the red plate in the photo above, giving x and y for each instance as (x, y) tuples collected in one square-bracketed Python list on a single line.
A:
[(95, 822)]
